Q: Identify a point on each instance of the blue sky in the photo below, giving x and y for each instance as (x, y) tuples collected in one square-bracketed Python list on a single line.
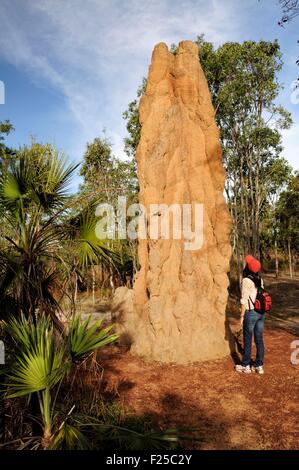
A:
[(70, 67)]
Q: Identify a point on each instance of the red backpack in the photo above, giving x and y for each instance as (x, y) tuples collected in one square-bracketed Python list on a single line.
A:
[(263, 301)]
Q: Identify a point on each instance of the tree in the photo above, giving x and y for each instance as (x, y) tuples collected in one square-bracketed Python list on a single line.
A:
[(5, 152), (42, 359), (49, 364), (243, 82), (279, 175), (133, 125), (97, 165), (33, 193), (290, 10), (41, 225), (85, 250), (288, 216), (105, 176)]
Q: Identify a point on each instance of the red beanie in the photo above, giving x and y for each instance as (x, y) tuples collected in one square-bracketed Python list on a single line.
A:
[(253, 264)]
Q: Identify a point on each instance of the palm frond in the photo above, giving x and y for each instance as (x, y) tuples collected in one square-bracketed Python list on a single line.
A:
[(40, 364), (69, 438), (84, 339)]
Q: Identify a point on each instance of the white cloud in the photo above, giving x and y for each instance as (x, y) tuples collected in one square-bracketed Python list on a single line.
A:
[(97, 51)]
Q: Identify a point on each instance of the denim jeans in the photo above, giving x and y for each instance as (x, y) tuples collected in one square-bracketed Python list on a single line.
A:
[(253, 324)]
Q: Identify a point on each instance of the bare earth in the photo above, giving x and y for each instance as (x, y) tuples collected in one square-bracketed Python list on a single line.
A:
[(230, 410)]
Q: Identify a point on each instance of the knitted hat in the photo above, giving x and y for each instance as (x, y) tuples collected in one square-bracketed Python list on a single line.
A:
[(253, 264)]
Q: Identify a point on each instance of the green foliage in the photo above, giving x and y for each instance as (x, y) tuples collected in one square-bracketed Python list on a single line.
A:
[(42, 360), (243, 82), (33, 196), (105, 176), (44, 238), (6, 153), (287, 213), (133, 125), (105, 179), (26, 333), (244, 86), (38, 179), (290, 10), (87, 248), (122, 432), (69, 438), (97, 164), (85, 339), (38, 367)]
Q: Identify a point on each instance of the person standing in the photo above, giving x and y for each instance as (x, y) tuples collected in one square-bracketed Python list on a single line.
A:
[(252, 321)]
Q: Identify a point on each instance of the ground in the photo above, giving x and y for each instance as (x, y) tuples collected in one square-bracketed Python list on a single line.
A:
[(229, 410)]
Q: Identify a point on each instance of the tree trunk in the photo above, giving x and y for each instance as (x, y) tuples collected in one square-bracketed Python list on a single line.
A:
[(76, 288), (236, 233), (35, 412), (276, 258), (290, 258), (254, 208)]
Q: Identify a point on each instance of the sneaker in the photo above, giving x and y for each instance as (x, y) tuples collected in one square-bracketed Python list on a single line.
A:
[(243, 369), (258, 370)]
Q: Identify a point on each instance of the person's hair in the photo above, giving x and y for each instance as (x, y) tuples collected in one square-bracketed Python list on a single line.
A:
[(255, 277)]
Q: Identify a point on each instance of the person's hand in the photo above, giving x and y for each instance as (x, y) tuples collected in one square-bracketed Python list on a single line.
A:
[(242, 313)]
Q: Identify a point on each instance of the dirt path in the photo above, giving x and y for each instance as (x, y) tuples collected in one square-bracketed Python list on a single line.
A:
[(230, 411)]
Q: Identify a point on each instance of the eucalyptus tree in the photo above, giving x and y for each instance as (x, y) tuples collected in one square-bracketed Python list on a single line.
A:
[(290, 10), (38, 238), (6, 153), (244, 86), (105, 178), (287, 212)]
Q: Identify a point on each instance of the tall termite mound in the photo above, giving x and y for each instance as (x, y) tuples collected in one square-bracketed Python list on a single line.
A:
[(176, 310)]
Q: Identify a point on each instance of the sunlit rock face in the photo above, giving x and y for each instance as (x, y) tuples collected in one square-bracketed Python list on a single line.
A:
[(176, 310)]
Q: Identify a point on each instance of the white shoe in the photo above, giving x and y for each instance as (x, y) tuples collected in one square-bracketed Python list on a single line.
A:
[(243, 369), (258, 370)]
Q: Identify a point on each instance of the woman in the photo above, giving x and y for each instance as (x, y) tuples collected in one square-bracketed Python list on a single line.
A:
[(253, 322)]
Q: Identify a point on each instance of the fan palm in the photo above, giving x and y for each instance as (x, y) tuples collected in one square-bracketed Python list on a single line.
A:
[(33, 193), (44, 357), (38, 233), (38, 367), (85, 338), (86, 248)]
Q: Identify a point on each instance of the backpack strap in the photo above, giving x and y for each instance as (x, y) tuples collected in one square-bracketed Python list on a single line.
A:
[(251, 302), (252, 278)]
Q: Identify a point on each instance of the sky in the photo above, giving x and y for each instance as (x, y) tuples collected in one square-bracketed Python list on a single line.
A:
[(70, 67)]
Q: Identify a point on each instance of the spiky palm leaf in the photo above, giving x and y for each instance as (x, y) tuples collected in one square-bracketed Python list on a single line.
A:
[(90, 250), (33, 192), (69, 438), (25, 332), (39, 365), (40, 175), (131, 435), (84, 338)]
